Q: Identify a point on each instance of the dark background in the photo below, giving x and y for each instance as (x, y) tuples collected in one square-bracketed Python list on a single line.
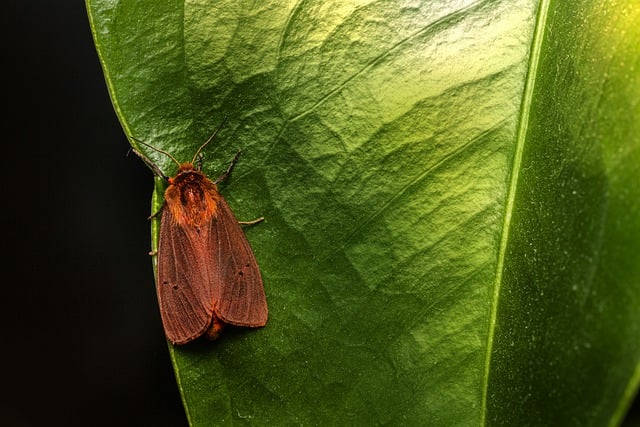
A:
[(82, 342)]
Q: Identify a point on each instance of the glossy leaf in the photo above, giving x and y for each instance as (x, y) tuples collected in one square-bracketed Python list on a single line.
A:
[(451, 199)]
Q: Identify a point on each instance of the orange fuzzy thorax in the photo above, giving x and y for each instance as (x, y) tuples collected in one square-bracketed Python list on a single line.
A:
[(191, 197)]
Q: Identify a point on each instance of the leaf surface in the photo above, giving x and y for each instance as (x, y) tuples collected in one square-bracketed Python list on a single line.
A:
[(450, 193)]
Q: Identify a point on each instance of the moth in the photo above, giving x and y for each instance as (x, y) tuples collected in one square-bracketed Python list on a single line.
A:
[(207, 274)]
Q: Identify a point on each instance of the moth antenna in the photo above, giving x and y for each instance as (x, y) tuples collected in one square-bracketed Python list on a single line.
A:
[(197, 163), (158, 150), (213, 135)]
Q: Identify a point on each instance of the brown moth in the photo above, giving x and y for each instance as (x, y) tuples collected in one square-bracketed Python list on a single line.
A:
[(207, 273)]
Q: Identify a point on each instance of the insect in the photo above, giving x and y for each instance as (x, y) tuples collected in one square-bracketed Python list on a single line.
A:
[(207, 273)]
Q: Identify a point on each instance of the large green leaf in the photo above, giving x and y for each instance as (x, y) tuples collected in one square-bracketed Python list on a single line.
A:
[(451, 199)]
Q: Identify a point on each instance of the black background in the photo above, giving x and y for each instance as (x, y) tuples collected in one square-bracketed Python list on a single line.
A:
[(82, 342)]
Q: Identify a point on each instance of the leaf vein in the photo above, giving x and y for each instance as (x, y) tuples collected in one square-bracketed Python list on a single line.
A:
[(434, 26), (363, 223), (523, 124)]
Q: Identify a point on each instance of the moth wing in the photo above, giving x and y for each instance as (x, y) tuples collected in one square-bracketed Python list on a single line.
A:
[(239, 297), (184, 288)]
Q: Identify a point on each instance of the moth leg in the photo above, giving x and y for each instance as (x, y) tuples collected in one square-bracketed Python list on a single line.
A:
[(156, 213), (255, 221), (229, 169), (215, 330)]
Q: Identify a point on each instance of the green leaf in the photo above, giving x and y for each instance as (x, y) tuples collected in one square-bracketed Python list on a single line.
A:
[(451, 199)]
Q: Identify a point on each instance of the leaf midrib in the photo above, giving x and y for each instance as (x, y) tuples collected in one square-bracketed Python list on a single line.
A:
[(523, 125)]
